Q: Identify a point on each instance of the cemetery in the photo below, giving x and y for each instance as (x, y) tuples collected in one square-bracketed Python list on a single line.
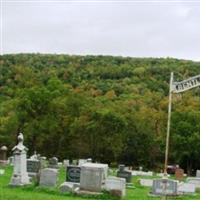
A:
[(102, 155), (37, 178)]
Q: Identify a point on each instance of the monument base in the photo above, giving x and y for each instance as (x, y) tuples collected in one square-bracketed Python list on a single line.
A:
[(18, 180)]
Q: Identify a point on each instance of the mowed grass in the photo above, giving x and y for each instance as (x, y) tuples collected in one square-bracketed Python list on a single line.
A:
[(33, 192)]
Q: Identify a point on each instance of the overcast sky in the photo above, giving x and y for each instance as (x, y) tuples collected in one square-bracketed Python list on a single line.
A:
[(135, 29)]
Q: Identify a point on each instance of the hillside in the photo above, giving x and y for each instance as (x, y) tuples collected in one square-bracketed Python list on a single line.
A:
[(112, 109)]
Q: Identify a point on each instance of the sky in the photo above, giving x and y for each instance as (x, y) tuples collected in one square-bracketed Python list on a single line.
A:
[(99, 27)]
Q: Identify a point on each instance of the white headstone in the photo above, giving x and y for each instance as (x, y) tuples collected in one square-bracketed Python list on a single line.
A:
[(48, 177), (65, 162), (116, 186), (20, 175), (198, 173), (194, 180), (186, 188), (93, 176), (146, 182), (82, 161)]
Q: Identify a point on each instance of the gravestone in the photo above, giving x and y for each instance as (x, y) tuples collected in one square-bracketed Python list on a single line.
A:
[(89, 160), (194, 180), (43, 162), (65, 162), (20, 175), (48, 177), (198, 173), (98, 165), (116, 186), (3, 155), (33, 167), (11, 160), (82, 161), (146, 182), (122, 173), (53, 163), (92, 177), (35, 156), (179, 174), (186, 188), (68, 187), (73, 174), (160, 184)]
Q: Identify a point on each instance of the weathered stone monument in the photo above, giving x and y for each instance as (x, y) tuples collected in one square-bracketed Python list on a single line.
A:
[(73, 174), (116, 186), (48, 177), (123, 173), (165, 187), (53, 163), (3, 155), (93, 175), (179, 174), (20, 175)]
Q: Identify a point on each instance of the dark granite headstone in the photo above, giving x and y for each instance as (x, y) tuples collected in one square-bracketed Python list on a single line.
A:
[(122, 173), (33, 166), (73, 174), (125, 174)]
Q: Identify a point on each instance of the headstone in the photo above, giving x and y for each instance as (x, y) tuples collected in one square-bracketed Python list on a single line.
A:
[(179, 174), (146, 182), (33, 167), (81, 162), (89, 160), (65, 162), (43, 162), (186, 188), (121, 167), (140, 168), (193, 180), (68, 187), (20, 175), (11, 160), (98, 165), (3, 155), (198, 173), (53, 163), (74, 162), (48, 177), (116, 186), (160, 184), (122, 173), (92, 176), (73, 174)]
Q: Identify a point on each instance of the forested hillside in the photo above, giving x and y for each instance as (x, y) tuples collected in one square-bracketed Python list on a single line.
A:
[(112, 109)]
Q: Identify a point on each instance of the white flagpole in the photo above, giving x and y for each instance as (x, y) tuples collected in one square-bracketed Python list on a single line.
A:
[(168, 122), (164, 196)]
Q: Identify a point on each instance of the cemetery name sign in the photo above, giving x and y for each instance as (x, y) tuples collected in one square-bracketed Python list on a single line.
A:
[(186, 84)]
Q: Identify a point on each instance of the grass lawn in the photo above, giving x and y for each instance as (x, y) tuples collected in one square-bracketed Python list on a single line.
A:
[(35, 193)]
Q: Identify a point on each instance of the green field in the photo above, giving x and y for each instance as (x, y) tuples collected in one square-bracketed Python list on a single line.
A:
[(32, 192)]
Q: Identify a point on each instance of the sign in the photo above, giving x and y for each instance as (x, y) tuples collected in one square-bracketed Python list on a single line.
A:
[(186, 84)]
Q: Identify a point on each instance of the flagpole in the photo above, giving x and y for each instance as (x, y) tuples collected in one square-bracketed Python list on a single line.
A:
[(164, 196), (168, 122)]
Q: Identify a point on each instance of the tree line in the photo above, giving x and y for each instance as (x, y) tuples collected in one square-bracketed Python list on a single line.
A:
[(112, 109)]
